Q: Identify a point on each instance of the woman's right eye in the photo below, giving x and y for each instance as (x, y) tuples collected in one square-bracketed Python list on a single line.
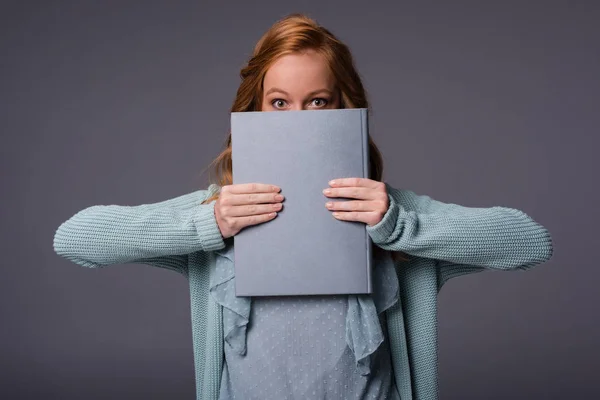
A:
[(278, 103)]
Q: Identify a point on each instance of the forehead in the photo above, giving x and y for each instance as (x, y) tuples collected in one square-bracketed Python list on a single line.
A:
[(299, 71)]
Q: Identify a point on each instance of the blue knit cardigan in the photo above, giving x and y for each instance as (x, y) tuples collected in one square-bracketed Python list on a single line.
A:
[(443, 240)]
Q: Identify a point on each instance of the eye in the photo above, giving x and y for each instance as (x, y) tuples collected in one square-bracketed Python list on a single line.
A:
[(277, 103), (320, 102)]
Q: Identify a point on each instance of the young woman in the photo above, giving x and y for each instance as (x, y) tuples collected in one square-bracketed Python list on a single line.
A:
[(380, 346)]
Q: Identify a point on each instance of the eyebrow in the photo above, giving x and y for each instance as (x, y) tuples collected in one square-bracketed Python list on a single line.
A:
[(272, 90)]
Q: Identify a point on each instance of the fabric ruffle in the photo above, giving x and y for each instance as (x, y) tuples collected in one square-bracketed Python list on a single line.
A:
[(363, 328), (236, 310)]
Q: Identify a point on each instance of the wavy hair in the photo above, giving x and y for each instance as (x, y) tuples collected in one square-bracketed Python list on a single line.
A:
[(293, 34)]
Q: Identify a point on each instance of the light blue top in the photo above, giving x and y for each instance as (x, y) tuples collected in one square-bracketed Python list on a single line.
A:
[(356, 322)]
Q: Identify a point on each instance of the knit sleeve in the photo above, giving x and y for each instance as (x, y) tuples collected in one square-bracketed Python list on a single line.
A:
[(160, 234), (461, 239)]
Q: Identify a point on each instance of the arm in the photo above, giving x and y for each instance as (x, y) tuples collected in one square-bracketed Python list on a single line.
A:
[(159, 234), (461, 239)]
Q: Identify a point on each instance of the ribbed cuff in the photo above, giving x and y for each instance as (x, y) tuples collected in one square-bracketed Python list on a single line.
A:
[(380, 233), (208, 230)]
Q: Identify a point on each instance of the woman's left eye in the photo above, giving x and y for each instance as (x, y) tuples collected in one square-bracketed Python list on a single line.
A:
[(321, 102)]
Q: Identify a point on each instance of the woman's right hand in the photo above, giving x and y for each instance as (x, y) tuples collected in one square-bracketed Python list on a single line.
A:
[(241, 205)]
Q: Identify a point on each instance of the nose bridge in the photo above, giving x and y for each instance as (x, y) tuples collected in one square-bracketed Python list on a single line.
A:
[(296, 106)]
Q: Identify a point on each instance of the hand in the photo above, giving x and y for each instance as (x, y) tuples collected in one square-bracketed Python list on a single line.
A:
[(372, 203), (241, 205)]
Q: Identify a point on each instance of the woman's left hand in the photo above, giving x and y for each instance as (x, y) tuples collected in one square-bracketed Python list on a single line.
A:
[(372, 200)]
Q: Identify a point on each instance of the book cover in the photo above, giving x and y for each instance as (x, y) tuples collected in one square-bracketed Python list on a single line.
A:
[(304, 250)]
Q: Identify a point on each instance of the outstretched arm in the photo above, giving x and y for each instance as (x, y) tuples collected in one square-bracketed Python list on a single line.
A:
[(461, 237), (160, 234)]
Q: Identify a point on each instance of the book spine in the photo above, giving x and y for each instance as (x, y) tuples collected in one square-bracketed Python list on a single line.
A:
[(366, 170)]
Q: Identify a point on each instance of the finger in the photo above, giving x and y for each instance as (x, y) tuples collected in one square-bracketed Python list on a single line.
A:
[(251, 198), (362, 182), (253, 209), (359, 205), (368, 217), (253, 219), (251, 188), (361, 193)]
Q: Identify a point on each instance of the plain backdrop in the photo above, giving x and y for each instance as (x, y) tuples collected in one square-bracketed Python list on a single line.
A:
[(476, 103)]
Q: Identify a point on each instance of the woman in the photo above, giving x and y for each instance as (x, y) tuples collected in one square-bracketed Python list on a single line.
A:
[(382, 346)]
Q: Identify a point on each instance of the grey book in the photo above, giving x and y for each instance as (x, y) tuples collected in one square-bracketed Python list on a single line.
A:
[(304, 250)]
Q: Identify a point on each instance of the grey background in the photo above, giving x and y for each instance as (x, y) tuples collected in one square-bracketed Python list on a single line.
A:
[(126, 102)]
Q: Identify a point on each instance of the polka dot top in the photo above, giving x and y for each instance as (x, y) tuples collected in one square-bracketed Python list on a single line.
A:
[(301, 347)]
